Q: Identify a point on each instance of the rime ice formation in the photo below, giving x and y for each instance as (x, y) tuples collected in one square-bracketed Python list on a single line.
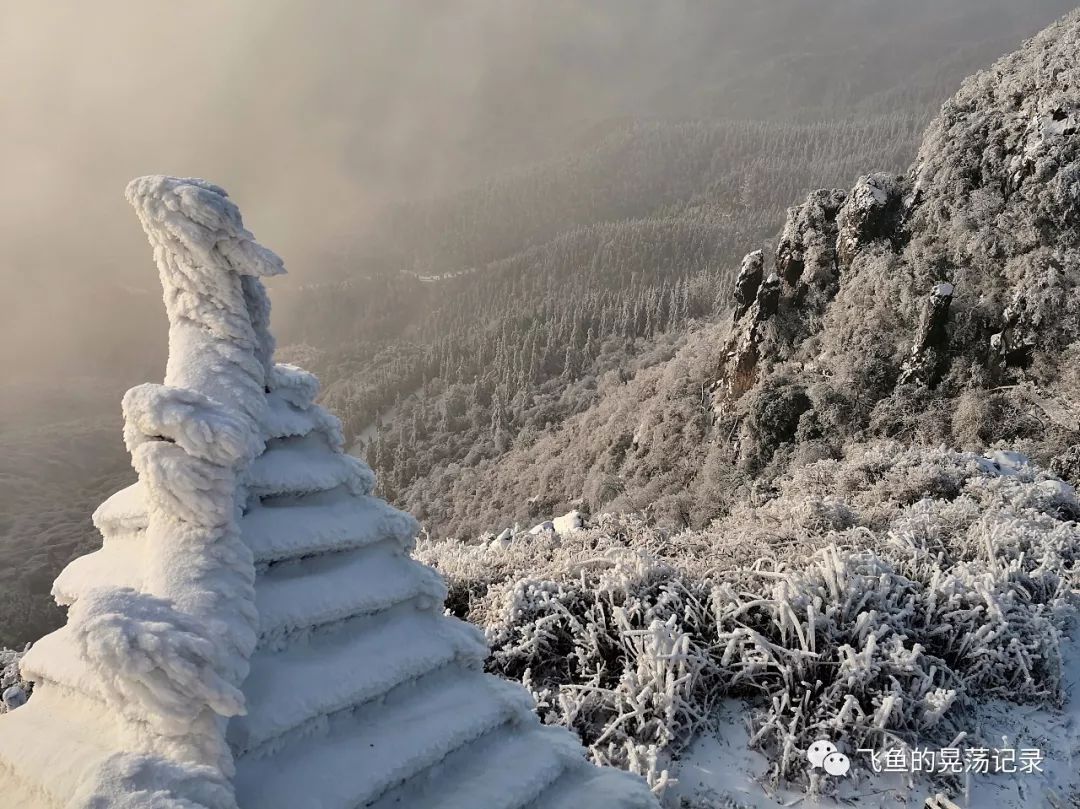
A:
[(254, 632)]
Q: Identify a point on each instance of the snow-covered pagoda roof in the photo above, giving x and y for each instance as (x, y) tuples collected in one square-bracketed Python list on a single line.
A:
[(253, 631)]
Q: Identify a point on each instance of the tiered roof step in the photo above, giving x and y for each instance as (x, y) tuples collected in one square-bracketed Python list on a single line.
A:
[(506, 769), (286, 419), (118, 563), (123, 512), (301, 465), (600, 787), (286, 690), (296, 596), (55, 659), (363, 754), (275, 533)]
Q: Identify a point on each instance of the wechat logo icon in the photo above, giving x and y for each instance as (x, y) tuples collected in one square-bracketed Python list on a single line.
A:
[(823, 754)]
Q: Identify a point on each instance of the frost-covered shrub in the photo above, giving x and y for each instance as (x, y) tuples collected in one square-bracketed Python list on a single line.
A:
[(978, 417), (1067, 464), (872, 599)]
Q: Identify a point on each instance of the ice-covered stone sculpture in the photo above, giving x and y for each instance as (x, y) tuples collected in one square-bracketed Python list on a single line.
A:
[(253, 631)]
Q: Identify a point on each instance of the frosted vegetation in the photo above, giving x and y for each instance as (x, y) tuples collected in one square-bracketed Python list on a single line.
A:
[(872, 600)]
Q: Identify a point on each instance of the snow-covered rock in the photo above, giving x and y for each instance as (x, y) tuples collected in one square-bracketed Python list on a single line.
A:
[(1008, 461), (751, 273), (14, 697), (568, 523), (871, 212), (253, 632), (498, 544)]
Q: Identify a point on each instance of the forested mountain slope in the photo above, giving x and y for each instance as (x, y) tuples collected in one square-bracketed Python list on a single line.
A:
[(935, 307), (488, 317), (491, 353)]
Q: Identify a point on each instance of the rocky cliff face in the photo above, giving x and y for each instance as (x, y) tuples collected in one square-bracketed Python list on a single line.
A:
[(911, 297)]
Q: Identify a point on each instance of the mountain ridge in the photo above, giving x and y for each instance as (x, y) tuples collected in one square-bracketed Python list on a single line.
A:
[(847, 348)]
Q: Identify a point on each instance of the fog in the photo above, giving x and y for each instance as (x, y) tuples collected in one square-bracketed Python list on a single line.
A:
[(310, 115), (316, 116)]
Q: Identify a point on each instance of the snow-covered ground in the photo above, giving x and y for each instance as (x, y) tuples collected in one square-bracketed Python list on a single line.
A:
[(719, 770)]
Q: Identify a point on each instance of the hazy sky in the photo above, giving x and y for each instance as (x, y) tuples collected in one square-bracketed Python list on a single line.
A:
[(309, 114), (314, 114)]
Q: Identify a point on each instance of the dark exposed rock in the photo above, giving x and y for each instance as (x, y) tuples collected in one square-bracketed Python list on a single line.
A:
[(872, 212), (1042, 295), (1014, 344), (768, 298), (742, 369), (744, 347), (746, 285), (806, 251), (931, 347)]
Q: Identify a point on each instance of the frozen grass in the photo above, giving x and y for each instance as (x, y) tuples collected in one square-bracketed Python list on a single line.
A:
[(873, 600)]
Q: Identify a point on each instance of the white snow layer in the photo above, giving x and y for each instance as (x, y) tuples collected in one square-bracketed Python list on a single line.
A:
[(720, 768), (253, 632)]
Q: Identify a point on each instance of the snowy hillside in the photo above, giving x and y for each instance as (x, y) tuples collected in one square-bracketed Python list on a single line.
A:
[(808, 544), (936, 307)]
